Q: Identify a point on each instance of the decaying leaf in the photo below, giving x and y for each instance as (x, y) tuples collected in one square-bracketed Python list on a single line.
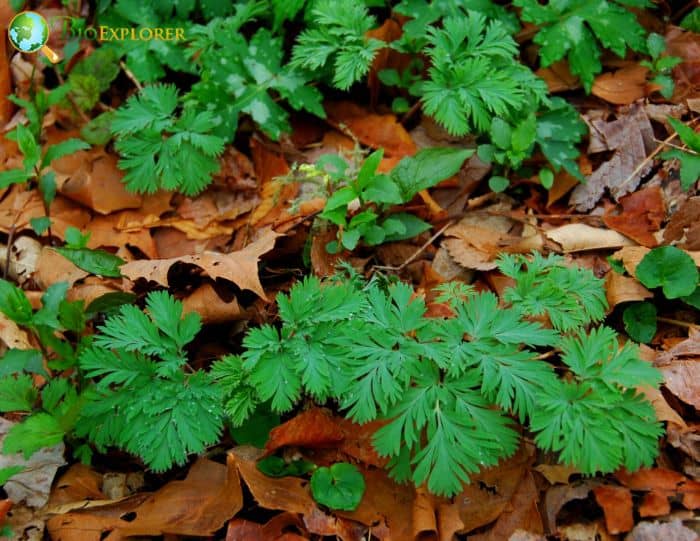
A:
[(641, 216), (239, 267), (617, 507), (622, 87), (632, 138), (620, 288)]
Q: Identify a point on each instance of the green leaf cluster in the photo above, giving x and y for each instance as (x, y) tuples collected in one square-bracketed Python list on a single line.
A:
[(447, 387), (54, 411), (145, 399), (376, 193), (163, 150), (246, 76), (572, 29), (660, 65)]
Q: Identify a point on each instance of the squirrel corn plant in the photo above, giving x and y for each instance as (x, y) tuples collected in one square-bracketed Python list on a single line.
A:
[(161, 149), (146, 399), (450, 389)]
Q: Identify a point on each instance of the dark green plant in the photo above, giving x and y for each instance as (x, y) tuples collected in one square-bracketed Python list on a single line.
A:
[(572, 30), (163, 150), (437, 381), (689, 159), (146, 399)]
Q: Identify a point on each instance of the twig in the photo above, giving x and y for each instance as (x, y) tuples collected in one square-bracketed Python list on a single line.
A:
[(678, 147), (130, 75), (651, 156), (678, 322), (418, 251)]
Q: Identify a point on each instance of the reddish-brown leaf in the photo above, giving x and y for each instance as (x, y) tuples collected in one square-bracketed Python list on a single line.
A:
[(617, 507), (641, 216)]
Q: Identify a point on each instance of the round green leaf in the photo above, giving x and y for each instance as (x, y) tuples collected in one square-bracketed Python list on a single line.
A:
[(546, 178), (339, 487), (669, 268), (498, 184), (640, 321)]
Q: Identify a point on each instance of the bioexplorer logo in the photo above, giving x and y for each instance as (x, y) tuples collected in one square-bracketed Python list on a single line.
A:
[(29, 33)]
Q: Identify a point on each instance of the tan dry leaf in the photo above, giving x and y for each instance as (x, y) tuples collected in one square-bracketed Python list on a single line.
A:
[(284, 493), (11, 335), (556, 473), (664, 412), (558, 496), (212, 309), (52, 267), (654, 531), (682, 378), (239, 267), (23, 259), (619, 289), (582, 237), (96, 183), (684, 225), (622, 87)]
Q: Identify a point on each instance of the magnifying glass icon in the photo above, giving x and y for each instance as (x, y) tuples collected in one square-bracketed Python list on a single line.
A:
[(29, 32)]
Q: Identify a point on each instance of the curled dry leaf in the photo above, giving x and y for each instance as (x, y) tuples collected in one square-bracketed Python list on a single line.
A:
[(620, 288), (556, 473), (11, 335), (641, 216), (616, 503), (682, 378), (240, 267), (622, 87), (211, 307), (274, 195), (79, 483), (24, 255), (559, 495), (582, 237)]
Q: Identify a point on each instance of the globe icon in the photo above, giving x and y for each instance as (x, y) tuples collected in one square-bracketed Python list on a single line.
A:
[(28, 32)]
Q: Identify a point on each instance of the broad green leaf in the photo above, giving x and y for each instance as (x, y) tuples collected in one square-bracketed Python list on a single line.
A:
[(16, 361), (427, 168), (5, 474), (14, 303), (369, 169), (403, 226), (669, 268), (340, 486), (17, 393), (256, 430), (109, 303), (13, 176), (640, 321), (64, 148), (47, 186), (693, 299), (40, 225), (35, 432), (498, 184), (98, 262)]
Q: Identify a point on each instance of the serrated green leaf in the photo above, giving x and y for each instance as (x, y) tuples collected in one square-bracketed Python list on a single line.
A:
[(94, 261), (35, 432)]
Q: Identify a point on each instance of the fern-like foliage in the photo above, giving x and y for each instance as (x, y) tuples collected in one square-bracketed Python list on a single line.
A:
[(335, 44), (570, 28), (161, 150), (436, 381), (142, 400), (570, 297), (474, 75)]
